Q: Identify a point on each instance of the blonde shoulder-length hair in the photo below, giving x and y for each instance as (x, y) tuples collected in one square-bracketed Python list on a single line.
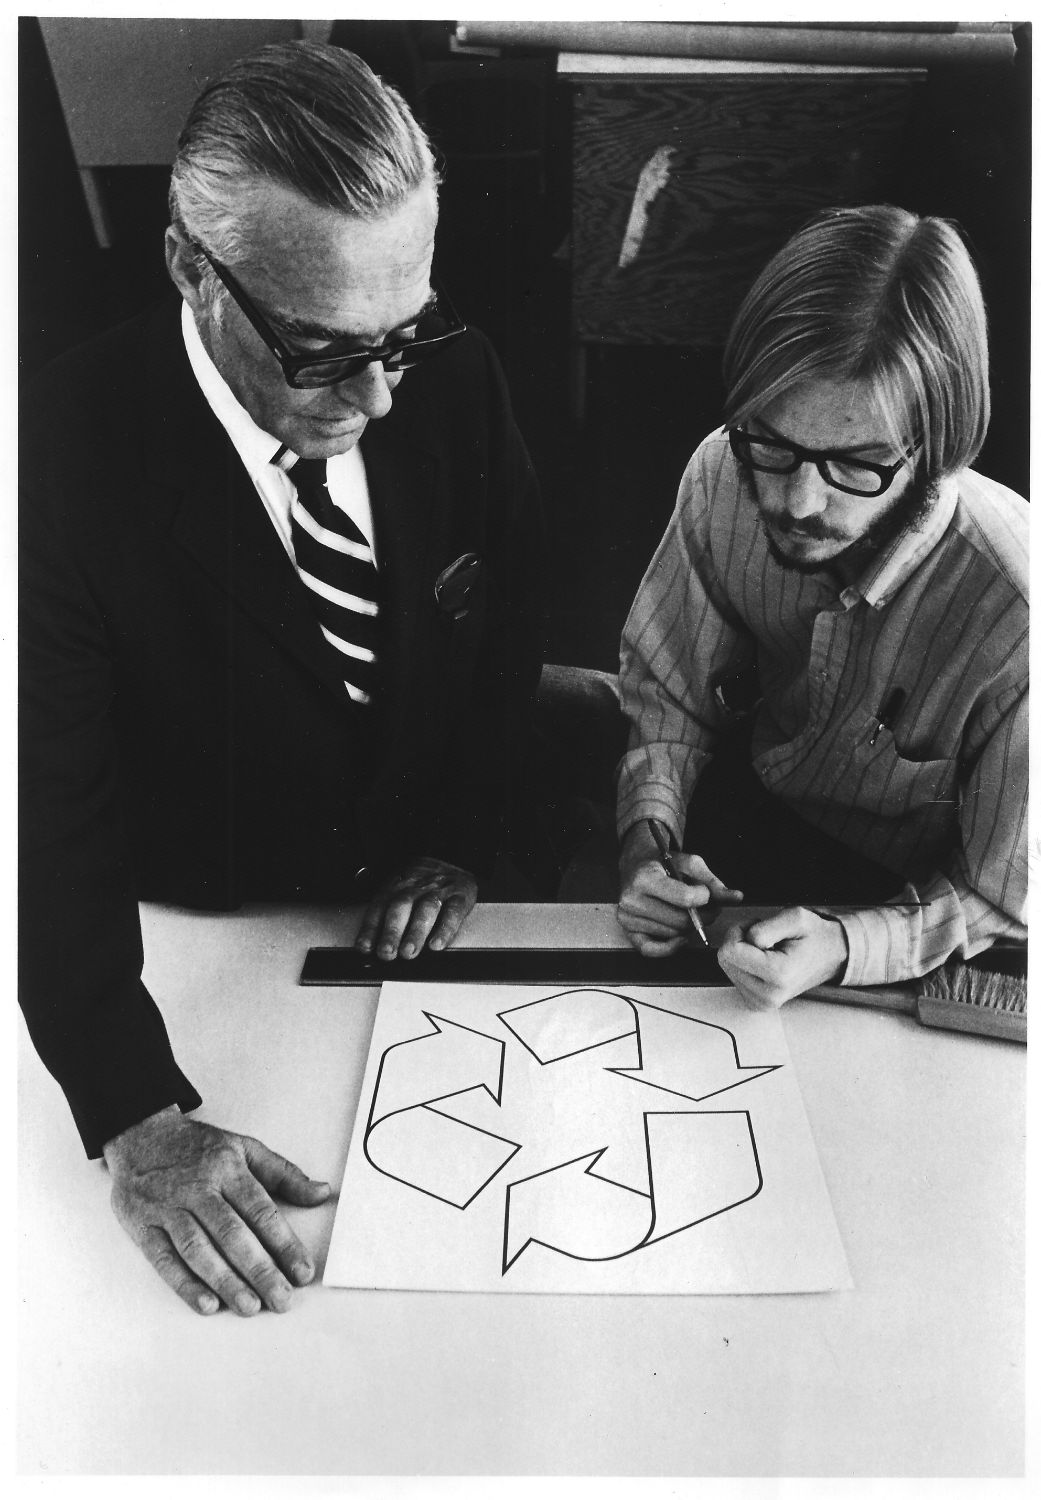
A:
[(879, 296)]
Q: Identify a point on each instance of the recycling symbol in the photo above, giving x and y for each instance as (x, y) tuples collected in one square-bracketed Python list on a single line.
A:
[(611, 1122)]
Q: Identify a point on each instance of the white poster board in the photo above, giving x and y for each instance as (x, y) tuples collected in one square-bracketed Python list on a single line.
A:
[(524, 1139)]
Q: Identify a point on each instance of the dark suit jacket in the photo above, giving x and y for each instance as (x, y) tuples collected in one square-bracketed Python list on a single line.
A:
[(186, 733)]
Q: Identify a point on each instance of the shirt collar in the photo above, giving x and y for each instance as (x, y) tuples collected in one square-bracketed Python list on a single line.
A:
[(255, 447), (907, 551)]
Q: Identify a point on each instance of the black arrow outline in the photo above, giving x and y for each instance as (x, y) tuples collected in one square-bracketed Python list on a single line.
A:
[(649, 1236), (425, 1036), (586, 989), (765, 1068), (438, 1098), (634, 1006)]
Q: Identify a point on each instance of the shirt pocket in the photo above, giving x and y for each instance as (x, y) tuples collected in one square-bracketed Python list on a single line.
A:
[(876, 778)]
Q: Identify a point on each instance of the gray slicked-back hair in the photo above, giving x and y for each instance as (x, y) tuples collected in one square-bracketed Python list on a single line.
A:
[(311, 117), (879, 295)]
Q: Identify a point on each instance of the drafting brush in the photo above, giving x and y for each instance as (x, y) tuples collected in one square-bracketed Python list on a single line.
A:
[(987, 996)]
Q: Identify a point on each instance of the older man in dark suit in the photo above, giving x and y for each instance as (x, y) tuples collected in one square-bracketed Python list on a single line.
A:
[(281, 622)]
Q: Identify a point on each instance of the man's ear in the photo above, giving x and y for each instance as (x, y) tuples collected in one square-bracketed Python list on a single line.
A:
[(184, 272)]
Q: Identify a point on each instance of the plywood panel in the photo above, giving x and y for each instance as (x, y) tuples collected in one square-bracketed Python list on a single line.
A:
[(748, 159)]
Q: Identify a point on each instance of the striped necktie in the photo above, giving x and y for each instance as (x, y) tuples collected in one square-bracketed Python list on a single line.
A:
[(335, 564)]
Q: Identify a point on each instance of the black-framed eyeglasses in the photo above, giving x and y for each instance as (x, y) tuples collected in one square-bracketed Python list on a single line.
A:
[(436, 327), (854, 476)]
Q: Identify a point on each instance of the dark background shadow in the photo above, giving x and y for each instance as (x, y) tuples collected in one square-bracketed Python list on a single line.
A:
[(504, 133)]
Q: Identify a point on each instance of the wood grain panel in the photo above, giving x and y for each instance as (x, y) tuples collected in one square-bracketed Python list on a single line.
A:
[(751, 159)]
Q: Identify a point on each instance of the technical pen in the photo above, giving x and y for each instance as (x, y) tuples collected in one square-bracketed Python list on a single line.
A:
[(658, 834), (889, 713)]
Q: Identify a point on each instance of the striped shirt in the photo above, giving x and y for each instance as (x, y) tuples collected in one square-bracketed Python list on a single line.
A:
[(941, 615)]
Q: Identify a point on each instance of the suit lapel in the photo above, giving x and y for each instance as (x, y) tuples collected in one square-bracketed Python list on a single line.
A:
[(402, 478), (218, 518)]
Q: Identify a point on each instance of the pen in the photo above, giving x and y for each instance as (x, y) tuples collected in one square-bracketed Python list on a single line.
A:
[(658, 834), (829, 908), (889, 712)]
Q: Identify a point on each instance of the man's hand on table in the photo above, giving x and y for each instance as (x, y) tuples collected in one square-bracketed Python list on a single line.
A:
[(199, 1202), (652, 908), (426, 902), (783, 955)]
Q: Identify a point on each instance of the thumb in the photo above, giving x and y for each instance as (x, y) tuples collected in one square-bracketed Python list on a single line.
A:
[(733, 934), (770, 932), (283, 1178), (695, 868)]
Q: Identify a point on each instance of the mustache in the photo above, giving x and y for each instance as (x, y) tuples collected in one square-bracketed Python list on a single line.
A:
[(811, 527)]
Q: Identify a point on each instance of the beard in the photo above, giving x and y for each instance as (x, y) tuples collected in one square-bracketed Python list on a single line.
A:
[(908, 514)]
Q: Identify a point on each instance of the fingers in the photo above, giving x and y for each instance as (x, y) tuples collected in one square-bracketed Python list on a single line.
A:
[(421, 920), (197, 1200), (433, 920), (652, 910), (698, 886), (228, 1246), (653, 903), (193, 1291), (258, 1241), (208, 1256), (641, 870), (748, 958), (656, 947), (368, 932), (281, 1177), (758, 975), (391, 923), (780, 927), (406, 924), (454, 913), (694, 868), (425, 905), (647, 912), (784, 955)]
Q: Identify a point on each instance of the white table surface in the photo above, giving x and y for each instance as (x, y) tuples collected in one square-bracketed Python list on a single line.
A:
[(918, 1371)]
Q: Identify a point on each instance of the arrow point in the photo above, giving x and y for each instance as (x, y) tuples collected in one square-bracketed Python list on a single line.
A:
[(509, 1260)]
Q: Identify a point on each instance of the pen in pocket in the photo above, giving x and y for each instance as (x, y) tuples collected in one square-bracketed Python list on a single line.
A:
[(889, 713)]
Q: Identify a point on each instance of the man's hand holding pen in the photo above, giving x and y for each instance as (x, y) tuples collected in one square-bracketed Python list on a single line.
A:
[(656, 907), (769, 960)]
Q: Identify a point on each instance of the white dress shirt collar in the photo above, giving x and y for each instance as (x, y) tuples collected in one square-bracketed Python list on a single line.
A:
[(348, 484), (254, 446)]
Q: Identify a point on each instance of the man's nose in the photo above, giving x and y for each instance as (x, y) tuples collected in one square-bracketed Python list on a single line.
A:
[(369, 391), (807, 492)]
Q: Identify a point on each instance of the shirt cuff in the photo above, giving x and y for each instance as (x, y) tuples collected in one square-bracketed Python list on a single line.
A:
[(877, 938), (652, 803)]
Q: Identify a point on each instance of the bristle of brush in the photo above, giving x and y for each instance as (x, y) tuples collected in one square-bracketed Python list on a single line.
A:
[(964, 985)]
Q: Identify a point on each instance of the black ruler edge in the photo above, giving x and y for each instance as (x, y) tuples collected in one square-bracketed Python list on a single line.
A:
[(345, 966)]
